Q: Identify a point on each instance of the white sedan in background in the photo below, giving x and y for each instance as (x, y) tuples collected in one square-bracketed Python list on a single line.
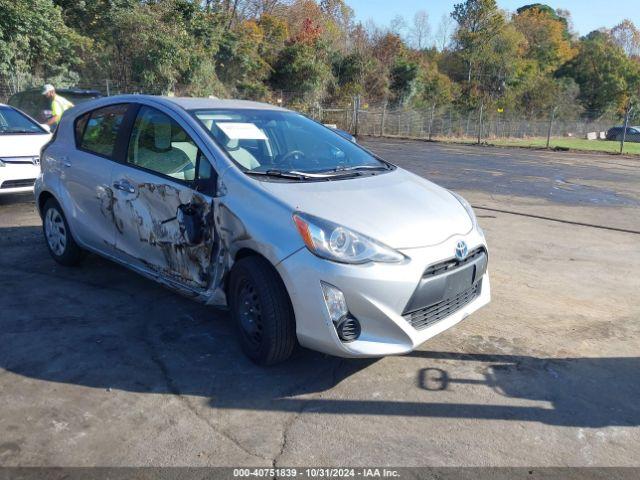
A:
[(21, 139)]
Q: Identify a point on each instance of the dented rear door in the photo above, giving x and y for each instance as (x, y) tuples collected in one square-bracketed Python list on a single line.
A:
[(163, 223)]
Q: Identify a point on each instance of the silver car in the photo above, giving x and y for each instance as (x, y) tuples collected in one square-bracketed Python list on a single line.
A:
[(305, 236)]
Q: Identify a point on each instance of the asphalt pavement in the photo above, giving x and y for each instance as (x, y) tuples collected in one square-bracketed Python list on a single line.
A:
[(99, 366)]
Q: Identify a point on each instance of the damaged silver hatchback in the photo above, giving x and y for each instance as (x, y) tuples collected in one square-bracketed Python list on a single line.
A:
[(305, 236)]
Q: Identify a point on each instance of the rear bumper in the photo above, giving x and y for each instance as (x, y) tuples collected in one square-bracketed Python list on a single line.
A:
[(376, 294)]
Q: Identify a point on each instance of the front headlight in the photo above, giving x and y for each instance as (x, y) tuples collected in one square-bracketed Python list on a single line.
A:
[(468, 208), (340, 244)]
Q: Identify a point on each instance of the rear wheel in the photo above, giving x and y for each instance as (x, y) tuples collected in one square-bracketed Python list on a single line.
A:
[(262, 311), (57, 235)]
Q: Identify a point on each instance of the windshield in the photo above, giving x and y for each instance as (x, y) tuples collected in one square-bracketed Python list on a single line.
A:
[(267, 141), (12, 121)]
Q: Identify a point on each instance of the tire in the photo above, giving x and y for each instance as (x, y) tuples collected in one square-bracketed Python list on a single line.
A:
[(57, 235), (262, 311)]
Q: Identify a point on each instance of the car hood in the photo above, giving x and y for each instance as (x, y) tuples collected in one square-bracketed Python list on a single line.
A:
[(399, 209), (26, 145)]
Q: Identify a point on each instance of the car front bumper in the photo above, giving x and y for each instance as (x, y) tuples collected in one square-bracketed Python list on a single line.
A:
[(17, 177), (376, 294)]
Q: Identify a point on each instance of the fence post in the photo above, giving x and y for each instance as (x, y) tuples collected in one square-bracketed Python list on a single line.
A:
[(356, 104), (384, 118), (480, 123), (107, 82), (553, 115), (626, 122), (433, 111)]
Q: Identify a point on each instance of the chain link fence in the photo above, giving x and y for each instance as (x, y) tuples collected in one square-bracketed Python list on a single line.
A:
[(561, 127), (446, 123)]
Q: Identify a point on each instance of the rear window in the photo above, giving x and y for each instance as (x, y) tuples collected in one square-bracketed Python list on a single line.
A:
[(100, 133)]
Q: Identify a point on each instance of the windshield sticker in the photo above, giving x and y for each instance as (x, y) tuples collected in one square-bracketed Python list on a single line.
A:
[(241, 131)]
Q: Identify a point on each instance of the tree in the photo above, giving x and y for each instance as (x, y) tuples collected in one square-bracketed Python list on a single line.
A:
[(627, 36), (398, 26), (420, 32), (547, 41), (489, 47), (35, 44), (479, 22), (606, 76), (403, 80), (301, 71), (443, 34)]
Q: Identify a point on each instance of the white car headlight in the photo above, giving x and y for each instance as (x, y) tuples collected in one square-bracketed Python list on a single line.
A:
[(340, 244), (468, 208)]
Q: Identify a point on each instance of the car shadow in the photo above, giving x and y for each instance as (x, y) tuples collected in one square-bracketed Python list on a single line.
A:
[(102, 326)]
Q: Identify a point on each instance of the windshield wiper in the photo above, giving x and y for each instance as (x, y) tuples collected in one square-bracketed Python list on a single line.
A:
[(341, 168), (279, 174)]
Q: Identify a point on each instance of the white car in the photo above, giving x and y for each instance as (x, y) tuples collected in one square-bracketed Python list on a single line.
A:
[(21, 139)]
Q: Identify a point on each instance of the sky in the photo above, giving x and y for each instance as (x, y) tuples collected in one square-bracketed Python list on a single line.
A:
[(587, 15)]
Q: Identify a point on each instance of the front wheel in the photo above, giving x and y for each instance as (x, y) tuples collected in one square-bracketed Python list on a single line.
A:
[(262, 311), (57, 235)]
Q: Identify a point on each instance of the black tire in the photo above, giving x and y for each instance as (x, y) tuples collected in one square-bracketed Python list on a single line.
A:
[(55, 227), (262, 311)]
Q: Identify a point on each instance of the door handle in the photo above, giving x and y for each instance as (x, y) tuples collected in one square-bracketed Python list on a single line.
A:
[(65, 161), (124, 185)]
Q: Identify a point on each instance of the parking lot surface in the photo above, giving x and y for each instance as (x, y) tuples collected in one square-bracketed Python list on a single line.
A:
[(99, 366)]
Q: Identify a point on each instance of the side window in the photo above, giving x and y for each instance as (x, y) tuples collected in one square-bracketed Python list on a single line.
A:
[(101, 130), (81, 123), (158, 143)]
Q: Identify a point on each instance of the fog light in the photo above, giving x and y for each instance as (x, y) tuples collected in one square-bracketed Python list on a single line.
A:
[(348, 329), (335, 302)]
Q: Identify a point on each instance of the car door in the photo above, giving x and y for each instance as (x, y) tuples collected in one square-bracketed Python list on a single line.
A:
[(86, 175), (163, 191)]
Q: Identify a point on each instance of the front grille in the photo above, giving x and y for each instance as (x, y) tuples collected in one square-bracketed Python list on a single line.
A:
[(451, 264), (28, 182), (427, 316)]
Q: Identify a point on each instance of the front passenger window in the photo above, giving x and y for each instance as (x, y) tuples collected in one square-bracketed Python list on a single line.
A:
[(158, 143)]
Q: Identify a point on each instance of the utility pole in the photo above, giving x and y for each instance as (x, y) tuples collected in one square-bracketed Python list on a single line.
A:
[(626, 123), (553, 115)]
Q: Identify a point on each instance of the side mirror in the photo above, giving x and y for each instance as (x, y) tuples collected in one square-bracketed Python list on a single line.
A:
[(46, 127)]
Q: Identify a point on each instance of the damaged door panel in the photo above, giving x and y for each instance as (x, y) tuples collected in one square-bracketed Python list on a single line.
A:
[(168, 229), (163, 203)]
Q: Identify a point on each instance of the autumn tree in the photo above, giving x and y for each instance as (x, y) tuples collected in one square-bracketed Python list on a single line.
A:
[(608, 79), (547, 42)]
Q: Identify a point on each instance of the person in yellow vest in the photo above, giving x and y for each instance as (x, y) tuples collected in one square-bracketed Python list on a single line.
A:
[(59, 104)]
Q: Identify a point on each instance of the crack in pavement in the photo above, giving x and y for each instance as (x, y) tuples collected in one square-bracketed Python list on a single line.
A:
[(175, 391), (294, 417)]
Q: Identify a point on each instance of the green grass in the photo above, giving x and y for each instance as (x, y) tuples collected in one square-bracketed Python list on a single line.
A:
[(571, 143)]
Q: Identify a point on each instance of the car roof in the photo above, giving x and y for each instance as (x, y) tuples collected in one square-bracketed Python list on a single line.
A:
[(76, 91), (192, 103)]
